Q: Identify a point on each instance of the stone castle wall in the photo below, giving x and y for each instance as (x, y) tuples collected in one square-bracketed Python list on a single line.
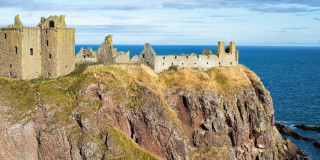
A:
[(46, 50), (10, 52), (65, 46), (86, 56), (31, 53), (49, 50), (204, 61), (122, 58), (109, 55)]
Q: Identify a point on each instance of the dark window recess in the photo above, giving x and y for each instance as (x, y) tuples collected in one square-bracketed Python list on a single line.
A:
[(49, 56), (195, 63), (207, 62), (230, 63), (175, 57), (47, 43), (10, 65), (51, 24), (31, 51), (164, 57), (84, 56), (187, 57), (219, 63), (182, 63), (172, 64), (66, 66), (162, 63), (46, 31), (5, 36), (143, 56), (16, 49), (110, 47)]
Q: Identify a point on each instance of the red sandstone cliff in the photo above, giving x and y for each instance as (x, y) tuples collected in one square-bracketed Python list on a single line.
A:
[(130, 112)]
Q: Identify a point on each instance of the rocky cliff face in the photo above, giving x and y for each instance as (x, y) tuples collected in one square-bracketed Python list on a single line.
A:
[(130, 112)]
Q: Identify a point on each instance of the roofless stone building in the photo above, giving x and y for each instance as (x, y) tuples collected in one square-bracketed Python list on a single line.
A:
[(223, 57), (47, 50)]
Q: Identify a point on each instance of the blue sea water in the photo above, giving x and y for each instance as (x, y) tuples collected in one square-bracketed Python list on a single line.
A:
[(291, 74)]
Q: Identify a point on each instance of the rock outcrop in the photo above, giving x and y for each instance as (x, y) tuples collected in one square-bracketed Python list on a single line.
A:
[(308, 128), (283, 129), (130, 112)]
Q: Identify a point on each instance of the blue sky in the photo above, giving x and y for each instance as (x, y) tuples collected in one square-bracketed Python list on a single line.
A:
[(178, 22)]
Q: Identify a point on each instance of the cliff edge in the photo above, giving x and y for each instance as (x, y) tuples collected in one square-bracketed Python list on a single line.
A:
[(130, 112)]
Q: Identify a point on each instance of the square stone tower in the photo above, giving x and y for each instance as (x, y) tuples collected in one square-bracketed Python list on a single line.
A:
[(57, 46), (47, 50)]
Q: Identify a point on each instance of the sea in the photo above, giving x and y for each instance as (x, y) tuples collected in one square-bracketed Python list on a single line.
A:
[(290, 73)]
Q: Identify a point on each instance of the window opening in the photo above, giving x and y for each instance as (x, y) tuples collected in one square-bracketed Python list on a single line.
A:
[(51, 24)]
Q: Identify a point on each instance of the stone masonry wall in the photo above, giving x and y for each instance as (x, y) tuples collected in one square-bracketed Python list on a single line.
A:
[(31, 53), (49, 49), (122, 58), (10, 52), (109, 55), (65, 51), (46, 50), (58, 45), (104, 53), (203, 62), (148, 56)]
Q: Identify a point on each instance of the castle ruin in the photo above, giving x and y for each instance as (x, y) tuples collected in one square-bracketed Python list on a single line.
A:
[(205, 61), (109, 55), (46, 50), (86, 56)]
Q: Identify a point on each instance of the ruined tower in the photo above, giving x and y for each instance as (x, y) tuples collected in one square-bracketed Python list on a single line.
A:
[(109, 55), (32, 52), (104, 54)]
